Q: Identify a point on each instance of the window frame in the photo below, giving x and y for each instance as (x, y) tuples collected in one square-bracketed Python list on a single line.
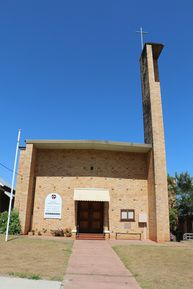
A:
[(127, 211)]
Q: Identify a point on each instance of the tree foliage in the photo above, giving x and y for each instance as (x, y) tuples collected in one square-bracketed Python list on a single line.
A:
[(171, 191), (184, 194), (173, 213)]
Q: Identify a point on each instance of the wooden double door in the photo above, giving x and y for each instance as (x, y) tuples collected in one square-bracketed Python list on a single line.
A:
[(90, 217)]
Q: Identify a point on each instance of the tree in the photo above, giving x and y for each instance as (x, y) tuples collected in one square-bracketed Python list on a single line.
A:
[(184, 195), (180, 198)]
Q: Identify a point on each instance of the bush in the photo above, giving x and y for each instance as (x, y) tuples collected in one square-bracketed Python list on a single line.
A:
[(61, 233), (68, 232), (14, 227), (57, 233)]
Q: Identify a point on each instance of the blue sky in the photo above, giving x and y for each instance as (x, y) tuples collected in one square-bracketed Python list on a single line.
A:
[(70, 70)]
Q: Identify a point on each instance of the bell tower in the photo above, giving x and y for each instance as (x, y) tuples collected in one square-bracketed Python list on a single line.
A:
[(154, 135)]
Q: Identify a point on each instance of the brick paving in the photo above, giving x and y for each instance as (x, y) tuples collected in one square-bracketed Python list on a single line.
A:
[(94, 264)]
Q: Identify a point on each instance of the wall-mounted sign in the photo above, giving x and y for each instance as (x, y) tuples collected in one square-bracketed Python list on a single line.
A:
[(53, 206), (142, 218)]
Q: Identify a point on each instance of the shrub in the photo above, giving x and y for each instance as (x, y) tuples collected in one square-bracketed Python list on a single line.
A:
[(14, 227), (68, 232), (57, 233)]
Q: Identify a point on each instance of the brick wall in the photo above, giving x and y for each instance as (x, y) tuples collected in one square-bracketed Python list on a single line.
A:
[(61, 171)]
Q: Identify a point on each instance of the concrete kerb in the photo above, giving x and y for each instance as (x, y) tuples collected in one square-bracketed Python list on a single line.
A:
[(20, 283)]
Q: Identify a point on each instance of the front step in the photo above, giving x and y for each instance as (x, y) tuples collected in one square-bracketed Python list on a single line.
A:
[(87, 236)]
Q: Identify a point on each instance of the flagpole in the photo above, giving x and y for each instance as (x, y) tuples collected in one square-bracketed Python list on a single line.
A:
[(12, 185)]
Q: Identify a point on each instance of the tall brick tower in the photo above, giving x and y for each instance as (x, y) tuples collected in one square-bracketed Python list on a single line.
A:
[(154, 134)]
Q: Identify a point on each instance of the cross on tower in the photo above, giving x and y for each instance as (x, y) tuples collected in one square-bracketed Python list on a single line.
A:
[(141, 34)]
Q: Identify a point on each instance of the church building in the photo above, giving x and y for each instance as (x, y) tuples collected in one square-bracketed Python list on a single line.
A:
[(100, 189)]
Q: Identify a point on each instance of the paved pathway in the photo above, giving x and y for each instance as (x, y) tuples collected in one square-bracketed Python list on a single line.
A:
[(20, 283), (94, 265)]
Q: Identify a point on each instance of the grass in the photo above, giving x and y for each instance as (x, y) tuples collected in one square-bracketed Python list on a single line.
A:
[(159, 266), (34, 258)]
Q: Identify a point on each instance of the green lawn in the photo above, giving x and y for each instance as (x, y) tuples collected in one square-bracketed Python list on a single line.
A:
[(160, 266), (34, 258)]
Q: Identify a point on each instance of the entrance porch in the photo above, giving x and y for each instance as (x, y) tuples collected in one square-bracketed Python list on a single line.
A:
[(92, 216)]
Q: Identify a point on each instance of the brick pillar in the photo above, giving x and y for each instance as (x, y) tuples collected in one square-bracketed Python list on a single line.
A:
[(154, 134), (25, 187)]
